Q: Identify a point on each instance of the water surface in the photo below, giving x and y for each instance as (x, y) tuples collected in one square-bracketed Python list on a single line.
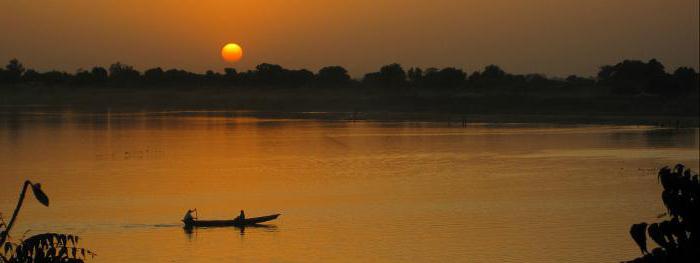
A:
[(347, 191)]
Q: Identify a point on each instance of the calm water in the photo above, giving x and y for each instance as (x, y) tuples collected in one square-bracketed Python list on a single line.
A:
[(347, 191)]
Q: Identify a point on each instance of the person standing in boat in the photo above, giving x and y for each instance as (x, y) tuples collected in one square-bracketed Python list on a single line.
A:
[(241, 217)]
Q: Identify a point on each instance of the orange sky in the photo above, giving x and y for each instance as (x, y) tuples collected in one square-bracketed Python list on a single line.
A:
[(555, 37)]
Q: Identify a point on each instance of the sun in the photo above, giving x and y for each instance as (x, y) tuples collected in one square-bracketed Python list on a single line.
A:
[(231, 52)]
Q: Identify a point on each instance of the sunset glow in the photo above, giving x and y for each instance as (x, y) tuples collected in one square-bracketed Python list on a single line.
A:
[(232, 52), (352, 131)]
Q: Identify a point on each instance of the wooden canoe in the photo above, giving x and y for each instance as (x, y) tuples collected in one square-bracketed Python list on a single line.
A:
[(240, 223)]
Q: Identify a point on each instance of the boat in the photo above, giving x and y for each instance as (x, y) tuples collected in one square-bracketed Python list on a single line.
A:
[(253, 221)]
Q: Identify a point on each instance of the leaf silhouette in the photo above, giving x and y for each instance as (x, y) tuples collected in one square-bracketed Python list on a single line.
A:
[(40, 195)]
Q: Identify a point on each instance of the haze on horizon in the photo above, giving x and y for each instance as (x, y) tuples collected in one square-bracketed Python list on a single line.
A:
[(553, 37)]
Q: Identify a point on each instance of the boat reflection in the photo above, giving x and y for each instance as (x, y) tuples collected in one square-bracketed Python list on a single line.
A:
[(191, 231)]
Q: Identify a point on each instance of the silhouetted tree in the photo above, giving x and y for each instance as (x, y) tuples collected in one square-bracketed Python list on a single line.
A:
[(686, 79), (82, 77), (389, 76), (123, 74), (13, 72), (627, 78), (659, 81), (99, 74), (493, 72), (298, 78), (579, 81), (333, 75), (268, 74), (536, 79), (474, 77), (493, 77), (631, 77), (31, 76), (230, 72), (154, 75), (415, 76), (393, 75), (372, 79), (655, 68), (274, 75), (605, 73), (179, 76), (55, 77), (212, 77), (230, 76), (447, 78)]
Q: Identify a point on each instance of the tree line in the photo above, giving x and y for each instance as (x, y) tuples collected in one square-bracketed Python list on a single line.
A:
[(629, 77)]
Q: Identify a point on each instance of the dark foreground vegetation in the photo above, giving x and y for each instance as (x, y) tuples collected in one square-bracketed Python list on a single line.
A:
[(629, 88), (677, 237), (46, 247)]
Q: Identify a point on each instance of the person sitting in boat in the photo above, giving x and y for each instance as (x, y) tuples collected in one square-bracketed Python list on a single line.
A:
[(188, 216), (241, 217)]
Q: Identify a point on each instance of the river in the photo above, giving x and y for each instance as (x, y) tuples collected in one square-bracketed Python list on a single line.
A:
[(348, 191)]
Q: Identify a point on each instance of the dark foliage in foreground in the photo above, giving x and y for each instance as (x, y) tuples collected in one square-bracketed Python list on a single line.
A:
[(46, 247), (678, 238), (629, 77)]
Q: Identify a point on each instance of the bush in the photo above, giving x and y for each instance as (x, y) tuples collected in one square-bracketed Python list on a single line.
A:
[(678, 237)]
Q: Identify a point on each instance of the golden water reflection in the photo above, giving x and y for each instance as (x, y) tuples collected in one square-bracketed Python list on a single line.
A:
[(347, 191)]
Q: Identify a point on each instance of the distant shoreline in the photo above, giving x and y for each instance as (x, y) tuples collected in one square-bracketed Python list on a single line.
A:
[(629, 92), (571, 102), (449, 118)]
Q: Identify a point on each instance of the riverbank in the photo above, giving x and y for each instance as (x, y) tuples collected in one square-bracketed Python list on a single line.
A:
[(456, 120), (582, 105)]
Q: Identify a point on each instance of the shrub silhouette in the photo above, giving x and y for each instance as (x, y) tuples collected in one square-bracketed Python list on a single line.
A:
[(46, 247), (678, 237)]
